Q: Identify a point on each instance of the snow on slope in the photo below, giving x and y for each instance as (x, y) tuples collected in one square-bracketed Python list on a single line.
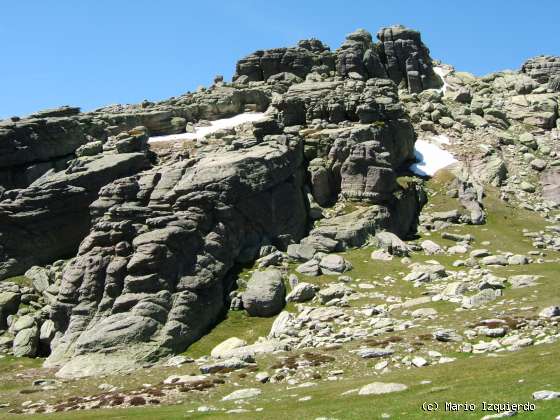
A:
[(442, 72), (430, 157), (214, 126)]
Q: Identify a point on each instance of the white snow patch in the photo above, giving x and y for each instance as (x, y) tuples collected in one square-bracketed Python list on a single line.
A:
[(201, 132), (430, 158), (442, 72)]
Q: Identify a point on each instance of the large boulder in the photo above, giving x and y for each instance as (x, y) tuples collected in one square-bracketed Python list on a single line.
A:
[(9, 303), (265, 294), (550, 181)]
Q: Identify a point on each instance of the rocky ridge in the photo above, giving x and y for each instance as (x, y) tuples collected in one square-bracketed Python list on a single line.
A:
[(158, 240)]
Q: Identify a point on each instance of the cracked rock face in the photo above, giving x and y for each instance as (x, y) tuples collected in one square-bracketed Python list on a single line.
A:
[(407, 58), (542, 68), (158, 237), (47, 220), (400, 55), (151, 275)]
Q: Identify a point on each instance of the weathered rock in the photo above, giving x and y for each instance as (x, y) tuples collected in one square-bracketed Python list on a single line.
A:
[(494, 260), (378, 388), (542, 68), (9, 303), (424, 313), (303, 292), (550, 312), (40, 278), (233, 363), (431, 248), (151, 276), (447, 335), (334, 264), (522, 280), (481, 298), (335, 291), (301, 252), (186, 379), (370, 352), (545, 395), (550, 181), (424, 273), (226, 346), (299, 61), (47, 220), (242, 394), (26, 341), (381, 255), (407, 59), (392, 244), (265, 294), (309, 268)]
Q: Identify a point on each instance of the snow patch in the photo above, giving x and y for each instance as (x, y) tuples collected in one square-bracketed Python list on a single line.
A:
[(430, 157), (202, 131), (442, 72)]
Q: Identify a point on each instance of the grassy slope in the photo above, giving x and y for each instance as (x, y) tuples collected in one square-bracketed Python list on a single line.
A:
[(481, 378), (470, 378)]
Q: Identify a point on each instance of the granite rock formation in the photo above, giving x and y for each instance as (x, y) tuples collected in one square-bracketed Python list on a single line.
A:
[(400, 55)]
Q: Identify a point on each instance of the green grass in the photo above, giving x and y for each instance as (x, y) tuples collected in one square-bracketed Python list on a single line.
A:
[(508, 376), (511, 377), (20, 280), (236, 324)]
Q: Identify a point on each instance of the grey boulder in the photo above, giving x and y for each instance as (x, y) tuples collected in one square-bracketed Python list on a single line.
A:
[(265, 293)]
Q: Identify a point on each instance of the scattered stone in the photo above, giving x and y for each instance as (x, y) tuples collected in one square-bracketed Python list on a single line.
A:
[(424, 313), (242, 394), (550, 312), (334, 291), (381, 255), (233, 363), (303, 292), (545, 395), (334, 264), (378, 388), (369, 353), (522, 280), (431, 248), (224, 348)]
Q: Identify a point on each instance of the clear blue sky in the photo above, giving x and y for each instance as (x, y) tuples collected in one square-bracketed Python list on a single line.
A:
[(91, 53)]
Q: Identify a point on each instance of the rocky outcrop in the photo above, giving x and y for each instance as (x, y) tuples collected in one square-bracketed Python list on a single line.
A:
[(550, 181), (49, 140), (47, 220), (158, 247), (407, 59), (400, 56), (151, 276), (46, 141), (358, 57), (309, 55), (542, 68), (172, 115)]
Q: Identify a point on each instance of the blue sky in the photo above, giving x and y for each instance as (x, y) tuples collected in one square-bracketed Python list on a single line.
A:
[(91, 53)]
